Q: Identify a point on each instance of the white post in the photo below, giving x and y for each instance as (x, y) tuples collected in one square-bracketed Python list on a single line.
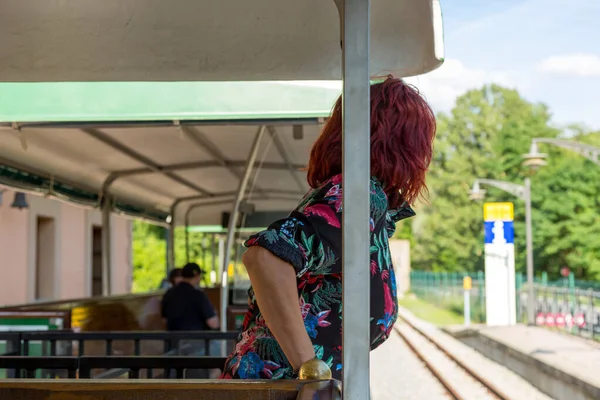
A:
[(221, 256), (223, 307), (233, 217), (529, 239), (499, 264), (106, 245), (356, 175), (467, 284), (171, 239)]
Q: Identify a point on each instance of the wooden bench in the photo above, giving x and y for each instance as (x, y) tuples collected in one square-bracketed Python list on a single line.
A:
[(172, 390)]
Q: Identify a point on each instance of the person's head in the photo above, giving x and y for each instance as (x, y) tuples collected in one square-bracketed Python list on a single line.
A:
[(175, 276), (402, 132), (191, 273)]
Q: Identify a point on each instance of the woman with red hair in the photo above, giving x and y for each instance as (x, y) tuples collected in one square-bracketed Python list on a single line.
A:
[(295, 265)]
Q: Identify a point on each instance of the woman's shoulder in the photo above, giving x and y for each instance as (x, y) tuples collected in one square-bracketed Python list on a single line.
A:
[(330, 194)]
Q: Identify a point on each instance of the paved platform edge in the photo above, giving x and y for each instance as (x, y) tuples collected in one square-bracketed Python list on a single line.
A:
[(587, 387)]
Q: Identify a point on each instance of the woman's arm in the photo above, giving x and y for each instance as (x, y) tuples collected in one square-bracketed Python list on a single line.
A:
[(276, 291)]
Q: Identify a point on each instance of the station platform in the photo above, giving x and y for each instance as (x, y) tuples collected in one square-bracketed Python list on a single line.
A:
[(559, 364)]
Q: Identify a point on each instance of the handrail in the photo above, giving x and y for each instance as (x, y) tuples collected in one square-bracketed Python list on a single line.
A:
[(213, 389), (108, 337), (129, 335), (19, 342), (87, 363)]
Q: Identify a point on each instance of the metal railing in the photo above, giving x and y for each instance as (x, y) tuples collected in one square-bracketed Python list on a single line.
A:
[(59, 346), (567, 304), (82, 367), (22, 340), (445, 290), (573, 310)]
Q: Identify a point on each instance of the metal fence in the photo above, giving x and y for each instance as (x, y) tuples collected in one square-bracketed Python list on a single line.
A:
[(63, 353), (445, 289), (567, 304)]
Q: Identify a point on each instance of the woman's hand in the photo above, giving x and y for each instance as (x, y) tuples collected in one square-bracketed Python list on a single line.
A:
[(276, 291)]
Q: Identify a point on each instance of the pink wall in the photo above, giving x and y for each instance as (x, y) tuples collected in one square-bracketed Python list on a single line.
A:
[(122, 276), (13, 253), (72, 252)]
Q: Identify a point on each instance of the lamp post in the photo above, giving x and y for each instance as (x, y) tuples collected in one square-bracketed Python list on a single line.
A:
[(536, 159), (522, 192)]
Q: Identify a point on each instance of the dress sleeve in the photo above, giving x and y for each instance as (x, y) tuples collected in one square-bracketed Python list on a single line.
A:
[(308, 239)]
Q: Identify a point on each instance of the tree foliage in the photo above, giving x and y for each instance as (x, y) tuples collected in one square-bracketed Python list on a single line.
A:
[(485, 136), (150, 254)]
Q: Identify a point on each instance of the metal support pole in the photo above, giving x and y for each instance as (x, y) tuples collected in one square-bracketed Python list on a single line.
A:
[(224, 297), (467, 307), (106, 245), (356, 199), (221, 256), (467, 285), (214, 254), (187, 236), (590, 317), (529, 239), (171, 241), (233, 222)]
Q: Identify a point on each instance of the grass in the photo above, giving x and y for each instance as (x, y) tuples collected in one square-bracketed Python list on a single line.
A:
[(429, 312)]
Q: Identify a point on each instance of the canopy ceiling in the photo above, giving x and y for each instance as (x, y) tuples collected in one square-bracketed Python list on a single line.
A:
[(201, 40), (195, 149), (160, 164)]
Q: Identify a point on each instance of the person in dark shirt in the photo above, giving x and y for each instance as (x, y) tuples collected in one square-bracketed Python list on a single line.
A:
[(185, 307)]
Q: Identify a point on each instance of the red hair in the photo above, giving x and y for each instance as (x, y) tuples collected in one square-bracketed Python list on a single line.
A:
[(402, 132)]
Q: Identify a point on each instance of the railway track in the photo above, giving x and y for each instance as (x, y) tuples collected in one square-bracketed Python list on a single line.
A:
[(461, 381)]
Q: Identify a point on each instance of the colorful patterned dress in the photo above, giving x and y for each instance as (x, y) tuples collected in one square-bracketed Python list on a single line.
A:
[(310, 239)]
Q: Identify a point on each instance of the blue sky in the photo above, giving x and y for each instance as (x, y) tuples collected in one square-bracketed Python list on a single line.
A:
[(547, 49)]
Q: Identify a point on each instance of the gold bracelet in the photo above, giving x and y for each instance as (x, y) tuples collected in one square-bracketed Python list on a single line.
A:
[(314, 370)]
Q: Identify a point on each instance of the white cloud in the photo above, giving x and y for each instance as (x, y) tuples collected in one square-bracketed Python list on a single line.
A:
[(442, 86), (582, 65)]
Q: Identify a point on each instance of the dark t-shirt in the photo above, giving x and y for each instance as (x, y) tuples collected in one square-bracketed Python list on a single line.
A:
[(186, 308)]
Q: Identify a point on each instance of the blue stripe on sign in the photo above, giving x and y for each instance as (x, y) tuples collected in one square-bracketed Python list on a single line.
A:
[(501, 232)]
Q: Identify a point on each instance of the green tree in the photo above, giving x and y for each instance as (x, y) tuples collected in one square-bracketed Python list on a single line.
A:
[(566, 203), (149, 257), (484, 136)]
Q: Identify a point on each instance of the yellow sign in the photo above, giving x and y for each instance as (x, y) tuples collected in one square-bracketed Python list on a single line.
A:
[(467, 283), (79, 315), (498, 212)]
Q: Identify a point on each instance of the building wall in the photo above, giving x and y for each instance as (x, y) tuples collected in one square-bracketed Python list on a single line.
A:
[(72, 250)]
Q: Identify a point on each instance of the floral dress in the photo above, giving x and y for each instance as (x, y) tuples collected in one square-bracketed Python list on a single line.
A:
[(310, 239)]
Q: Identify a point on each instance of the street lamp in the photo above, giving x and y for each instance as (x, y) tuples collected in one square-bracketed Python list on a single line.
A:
[(535, 159), (522, 192)]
